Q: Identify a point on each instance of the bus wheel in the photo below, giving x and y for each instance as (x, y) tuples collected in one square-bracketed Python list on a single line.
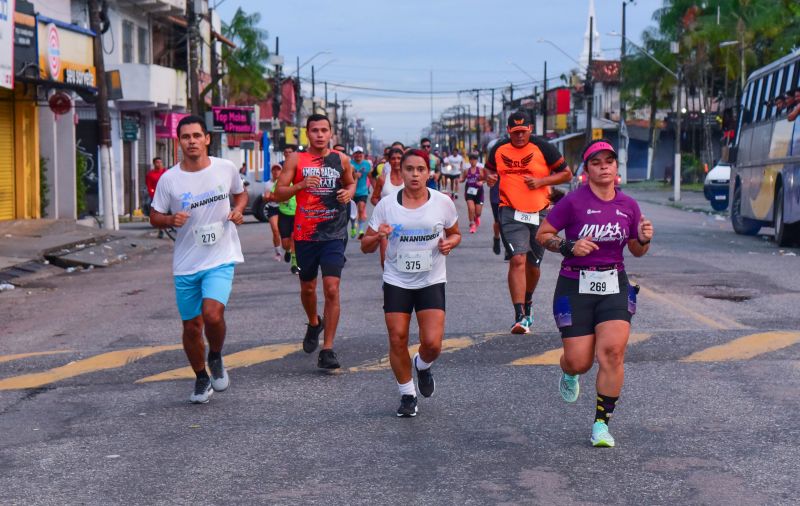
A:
[(742, 225), (785, 235)]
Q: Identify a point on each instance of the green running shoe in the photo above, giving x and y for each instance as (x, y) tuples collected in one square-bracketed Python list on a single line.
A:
[(601, 438), (569, 387)]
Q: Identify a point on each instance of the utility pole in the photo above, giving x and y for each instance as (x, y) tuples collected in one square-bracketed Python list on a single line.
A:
[(588, 86), (336, 107), (477, 121), (544, 103), (492, 113), (299, 102), (676, 175), (277, 92), (622, 148), (216, 100), (326, 98), (103, 123), (313, 91), (191, 16)]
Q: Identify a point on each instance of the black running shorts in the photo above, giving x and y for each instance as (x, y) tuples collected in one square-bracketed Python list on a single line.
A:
[(521, 237), (313, 256), (405, 300), (285, 225), (360, 198), (577, 314)]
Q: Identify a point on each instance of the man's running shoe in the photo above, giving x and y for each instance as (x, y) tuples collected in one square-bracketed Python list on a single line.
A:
[(277, 257), (521, 326), (360, 235), (477, 221), (294, 269), (424, 380), (496, 245), (311, 341), (408, 406), (327, 360), (353, 233), (202, 391), (219, 376), (569, 386), (472, 228), (601, 438), (287, 256)]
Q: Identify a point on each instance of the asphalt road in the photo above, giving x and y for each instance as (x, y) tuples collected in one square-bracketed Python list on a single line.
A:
[(708, 414)]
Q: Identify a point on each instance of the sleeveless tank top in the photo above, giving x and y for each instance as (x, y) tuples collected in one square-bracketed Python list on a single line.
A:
[(389, 188), (319, 216)]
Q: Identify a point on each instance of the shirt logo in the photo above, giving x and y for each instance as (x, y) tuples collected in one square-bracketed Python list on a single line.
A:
[(620, 213), (513, 164), (592, 211), (610, 232)]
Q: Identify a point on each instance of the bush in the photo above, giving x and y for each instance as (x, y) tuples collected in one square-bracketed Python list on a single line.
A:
[(80, 182), (691, 169), (44, 188)]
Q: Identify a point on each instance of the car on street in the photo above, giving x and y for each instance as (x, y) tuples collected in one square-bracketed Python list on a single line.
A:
[(717, 186), (255, 197)]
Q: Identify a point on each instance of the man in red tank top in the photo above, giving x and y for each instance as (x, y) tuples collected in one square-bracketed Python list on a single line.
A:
[(322, 181)]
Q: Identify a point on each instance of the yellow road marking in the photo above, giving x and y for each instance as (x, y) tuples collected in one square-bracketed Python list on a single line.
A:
[(104, 361), (448, 346), (745, 347), (244, 358), (18, 356), (718, 322), (552, 357)]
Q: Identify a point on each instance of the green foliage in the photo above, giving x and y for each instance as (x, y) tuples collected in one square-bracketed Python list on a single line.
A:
[(246, 63), (44, 187), (80, 182), (691, 169)]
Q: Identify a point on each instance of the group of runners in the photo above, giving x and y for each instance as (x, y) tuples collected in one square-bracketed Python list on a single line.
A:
[(415, 227)]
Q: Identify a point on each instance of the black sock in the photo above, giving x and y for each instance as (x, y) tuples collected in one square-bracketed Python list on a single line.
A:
[(519, 310), (605, 408), (214, 355), (528, 299), (201, 374)]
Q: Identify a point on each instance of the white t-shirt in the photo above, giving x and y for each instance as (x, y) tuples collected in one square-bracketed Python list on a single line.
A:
[(456, 162), (205, 196), (416, 235)]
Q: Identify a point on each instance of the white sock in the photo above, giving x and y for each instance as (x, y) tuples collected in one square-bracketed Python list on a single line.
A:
[(278, 250), (421, 364), (407, 388)]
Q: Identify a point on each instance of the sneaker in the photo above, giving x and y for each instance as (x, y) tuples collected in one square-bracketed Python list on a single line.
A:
[(408, 406), (287, 256), (472, 228), (219, 376), (327, 360), (601, 438), (424, 380), (277, 257), (202, 391), (311, 341), (352, 233), (295, 270), (360, 235), (569, 387), (496, 245), (521, 326), (508, 256), (477, 221)]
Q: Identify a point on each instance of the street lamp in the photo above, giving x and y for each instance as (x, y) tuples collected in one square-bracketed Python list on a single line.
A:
[(521, 70), (679, 109)]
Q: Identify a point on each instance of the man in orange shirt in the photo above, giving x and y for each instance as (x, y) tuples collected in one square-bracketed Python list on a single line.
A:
[(527, 166)]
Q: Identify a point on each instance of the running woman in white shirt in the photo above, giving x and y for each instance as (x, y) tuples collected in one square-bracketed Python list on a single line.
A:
[(421, 226), (193, 197)]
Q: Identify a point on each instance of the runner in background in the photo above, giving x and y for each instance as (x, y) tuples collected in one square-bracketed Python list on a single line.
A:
[(473, 192), (272, 210)]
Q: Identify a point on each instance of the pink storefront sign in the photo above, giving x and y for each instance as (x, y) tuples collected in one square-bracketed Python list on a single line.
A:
[(167, 124)]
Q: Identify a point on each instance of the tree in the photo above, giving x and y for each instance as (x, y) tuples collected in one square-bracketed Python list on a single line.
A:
[(246, 77)]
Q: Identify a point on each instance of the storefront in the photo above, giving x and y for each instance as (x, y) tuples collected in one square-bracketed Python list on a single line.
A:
[(19, 139)]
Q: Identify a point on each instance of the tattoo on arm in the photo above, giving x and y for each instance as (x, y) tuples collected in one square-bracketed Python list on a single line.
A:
[(553, 244)]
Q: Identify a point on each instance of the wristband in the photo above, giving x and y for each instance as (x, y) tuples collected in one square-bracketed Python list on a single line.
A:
[(566, 248), (645, 243)]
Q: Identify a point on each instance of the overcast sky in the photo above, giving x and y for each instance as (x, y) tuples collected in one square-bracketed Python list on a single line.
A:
[(466, 43)]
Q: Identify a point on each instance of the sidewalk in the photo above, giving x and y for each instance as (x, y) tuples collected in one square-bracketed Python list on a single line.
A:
[(691, 200), (39, 248)]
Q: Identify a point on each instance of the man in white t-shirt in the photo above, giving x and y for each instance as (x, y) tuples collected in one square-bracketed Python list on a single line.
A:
[(451, 170), (195, 197), (421, 227)]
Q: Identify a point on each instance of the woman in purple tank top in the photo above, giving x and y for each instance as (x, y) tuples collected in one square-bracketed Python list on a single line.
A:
[(473, 192), (593, 302)]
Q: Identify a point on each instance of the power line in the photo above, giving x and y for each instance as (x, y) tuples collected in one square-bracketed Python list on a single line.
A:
[(435, 92)]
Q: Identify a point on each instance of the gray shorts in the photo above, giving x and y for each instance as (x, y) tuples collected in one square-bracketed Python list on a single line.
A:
[(521, 237)]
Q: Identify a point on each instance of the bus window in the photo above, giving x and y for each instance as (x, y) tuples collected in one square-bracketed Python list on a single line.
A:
[(763, 98), (774, 91), (786, 82), (754, 101)]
